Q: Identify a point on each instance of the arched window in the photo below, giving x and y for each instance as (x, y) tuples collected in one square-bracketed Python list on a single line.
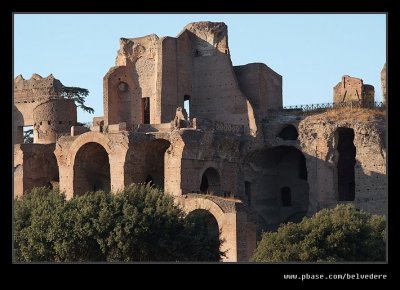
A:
[(210, 182), (289, 132)]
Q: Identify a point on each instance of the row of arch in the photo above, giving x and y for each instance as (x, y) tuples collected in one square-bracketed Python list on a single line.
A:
[(91, 168)]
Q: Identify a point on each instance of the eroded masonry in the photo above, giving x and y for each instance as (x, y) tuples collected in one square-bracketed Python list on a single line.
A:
[(233, 152)]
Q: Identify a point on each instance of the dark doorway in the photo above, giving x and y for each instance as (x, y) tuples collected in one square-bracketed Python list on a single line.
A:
[(247, 191), (149, 180), (210, 182), (302, 167), (345, 165), (289, 132), (286, 196), (146, 110)]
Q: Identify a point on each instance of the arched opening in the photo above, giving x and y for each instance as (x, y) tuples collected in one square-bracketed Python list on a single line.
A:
[(144, 163), (186, 105), (289, 132), (279, 187), (286, 196), (345, 165), (91, 169), (207, 233), (210, 182)]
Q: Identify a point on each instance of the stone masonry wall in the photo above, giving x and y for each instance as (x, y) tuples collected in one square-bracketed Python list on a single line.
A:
[(319, 141)]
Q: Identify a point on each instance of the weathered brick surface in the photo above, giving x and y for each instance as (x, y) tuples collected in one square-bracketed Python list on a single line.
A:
[(251, 169)]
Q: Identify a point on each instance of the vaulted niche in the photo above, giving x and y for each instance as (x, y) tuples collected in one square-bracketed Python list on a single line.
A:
[(276, 185), (210, 182), (91, 169), (289, 132)]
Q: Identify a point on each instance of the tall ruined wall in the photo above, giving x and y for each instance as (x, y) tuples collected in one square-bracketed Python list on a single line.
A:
[(138, 67), (352, 89), (216, 94), (52, 119), (261, 85), (169, 97), (384, 84), (184, 67), (121, 103), (319, 140), (194, 66)]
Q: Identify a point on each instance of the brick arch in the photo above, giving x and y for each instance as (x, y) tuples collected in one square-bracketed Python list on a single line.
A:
[(206, 204), (224, 219), (85, 138)]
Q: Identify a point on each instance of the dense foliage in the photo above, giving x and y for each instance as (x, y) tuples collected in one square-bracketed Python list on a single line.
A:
[(340, 234), (78, 95), (141, 223)]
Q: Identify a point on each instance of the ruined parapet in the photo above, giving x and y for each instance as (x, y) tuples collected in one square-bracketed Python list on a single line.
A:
[(384, 80), (352, 89), (36, 89), (210, 37), (132, 49), (53, 118)]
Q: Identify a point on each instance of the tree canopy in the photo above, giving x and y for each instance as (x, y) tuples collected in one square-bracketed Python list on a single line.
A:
[(140, 223), (341, 234), (78, 95)]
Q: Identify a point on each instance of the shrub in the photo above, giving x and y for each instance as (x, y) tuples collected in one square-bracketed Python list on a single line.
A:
[(340, 234), (140, 223)]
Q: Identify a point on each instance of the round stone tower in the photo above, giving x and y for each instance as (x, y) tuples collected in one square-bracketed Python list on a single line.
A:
[(53, 118)]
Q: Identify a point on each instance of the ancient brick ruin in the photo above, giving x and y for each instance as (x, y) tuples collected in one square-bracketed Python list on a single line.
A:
[(234, 153), (352, 89)]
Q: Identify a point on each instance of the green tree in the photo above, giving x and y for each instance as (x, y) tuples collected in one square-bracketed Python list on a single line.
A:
[(78, 95), (340, 234), (28, 136), (140, 223)]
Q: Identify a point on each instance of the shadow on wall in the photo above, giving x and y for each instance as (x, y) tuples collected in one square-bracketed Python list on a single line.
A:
[(283, 184), (276, 186)]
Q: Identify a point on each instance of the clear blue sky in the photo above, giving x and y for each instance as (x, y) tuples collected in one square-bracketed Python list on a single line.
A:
[(310, 51)]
